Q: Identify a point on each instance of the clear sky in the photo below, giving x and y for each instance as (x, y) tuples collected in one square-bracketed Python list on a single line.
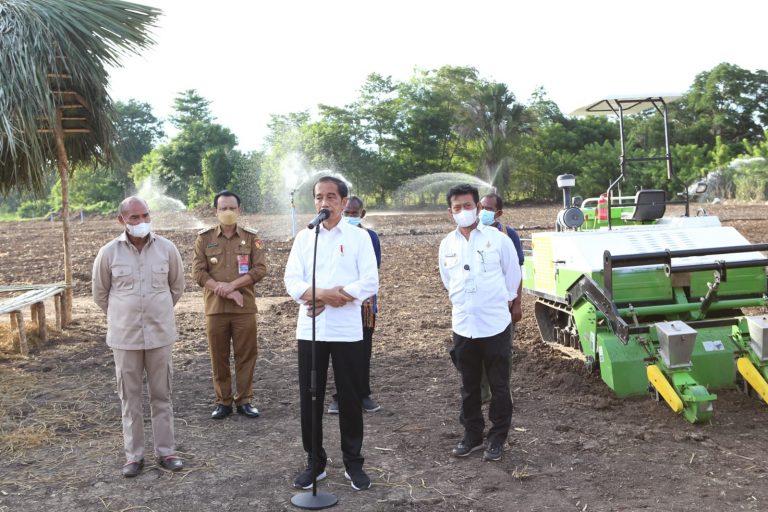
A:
[(253, 58)]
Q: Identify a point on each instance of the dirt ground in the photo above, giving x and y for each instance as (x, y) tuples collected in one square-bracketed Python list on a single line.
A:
[(573, 445)]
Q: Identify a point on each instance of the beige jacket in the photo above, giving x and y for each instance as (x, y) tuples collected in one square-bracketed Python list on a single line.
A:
[(137, 291)]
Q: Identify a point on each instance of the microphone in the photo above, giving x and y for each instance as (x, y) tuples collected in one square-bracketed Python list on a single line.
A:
[(321, 216)]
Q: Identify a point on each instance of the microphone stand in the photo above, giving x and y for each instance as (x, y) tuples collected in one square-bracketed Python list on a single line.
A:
[(315, 500)]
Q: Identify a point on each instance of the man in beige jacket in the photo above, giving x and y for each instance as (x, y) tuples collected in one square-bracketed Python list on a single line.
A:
[(137, 279)]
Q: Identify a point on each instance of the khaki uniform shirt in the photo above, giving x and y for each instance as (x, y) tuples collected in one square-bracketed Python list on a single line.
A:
[(225, 259), (137, 291)]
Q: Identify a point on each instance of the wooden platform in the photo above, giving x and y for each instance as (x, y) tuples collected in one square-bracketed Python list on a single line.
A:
[(34, 297)]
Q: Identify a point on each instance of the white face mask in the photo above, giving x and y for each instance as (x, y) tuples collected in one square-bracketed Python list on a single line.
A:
[(139, 230), (465, 218)]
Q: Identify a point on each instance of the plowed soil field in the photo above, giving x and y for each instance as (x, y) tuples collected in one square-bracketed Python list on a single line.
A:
[(573, 445)]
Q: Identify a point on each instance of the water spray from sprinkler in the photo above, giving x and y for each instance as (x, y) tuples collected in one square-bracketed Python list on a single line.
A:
[(293, 214)]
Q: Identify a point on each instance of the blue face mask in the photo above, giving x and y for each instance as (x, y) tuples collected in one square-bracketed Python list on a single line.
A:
[(487, 217), (355, 221)]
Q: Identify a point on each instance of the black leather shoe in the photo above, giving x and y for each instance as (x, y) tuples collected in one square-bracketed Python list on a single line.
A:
[(221, 412), (467, 446), (133, 469), (493, 451), (248, 410), (171, 463)]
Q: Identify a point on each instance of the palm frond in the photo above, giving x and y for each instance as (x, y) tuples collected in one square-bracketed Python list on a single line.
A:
[(54, 55)]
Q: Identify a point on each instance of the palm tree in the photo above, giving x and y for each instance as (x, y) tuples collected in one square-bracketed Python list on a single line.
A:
[(54, 106), (494, 119)]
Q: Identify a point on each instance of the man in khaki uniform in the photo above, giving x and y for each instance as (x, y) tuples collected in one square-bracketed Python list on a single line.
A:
[(229, 260), (137, 279)]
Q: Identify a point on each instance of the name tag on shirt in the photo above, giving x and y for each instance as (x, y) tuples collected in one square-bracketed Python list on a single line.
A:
[(450, 260), (469, 285), (242, 263)]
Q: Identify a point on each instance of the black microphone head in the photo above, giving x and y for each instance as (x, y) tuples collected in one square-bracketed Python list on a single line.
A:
[(321, 216)]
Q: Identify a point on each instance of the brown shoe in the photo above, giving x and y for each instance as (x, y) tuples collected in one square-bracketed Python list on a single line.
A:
[(171, 463), (133, 469)]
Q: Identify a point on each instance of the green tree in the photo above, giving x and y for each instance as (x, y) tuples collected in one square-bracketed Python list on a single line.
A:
[(691, 162), (180, 164), (191, 107), (598, 165), (376, 114), (553, 147), (495, 119), (218, 164), (759, 149), (432, 106), (246, 170), (137, 130), (93, 189), (750, 179), (284, 165), (542, 110), (727, 102)]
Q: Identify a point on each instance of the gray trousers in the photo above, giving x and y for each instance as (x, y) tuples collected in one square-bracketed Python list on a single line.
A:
[(130, 366)]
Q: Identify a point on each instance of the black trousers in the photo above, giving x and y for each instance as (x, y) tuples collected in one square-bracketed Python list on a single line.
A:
[(368, 349), (348, 359), (470, 355)]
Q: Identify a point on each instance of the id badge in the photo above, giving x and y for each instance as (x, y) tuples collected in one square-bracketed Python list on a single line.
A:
[(242, 264), (469, 285)]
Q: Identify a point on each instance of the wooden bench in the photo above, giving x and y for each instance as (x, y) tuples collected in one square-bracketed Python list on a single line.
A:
[(34, 298)]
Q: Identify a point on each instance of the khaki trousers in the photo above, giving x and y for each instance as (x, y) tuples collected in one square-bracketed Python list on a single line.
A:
[(240, 329), (130, 367)]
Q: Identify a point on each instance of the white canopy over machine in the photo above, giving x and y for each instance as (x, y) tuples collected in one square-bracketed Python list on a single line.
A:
[(626, 104)]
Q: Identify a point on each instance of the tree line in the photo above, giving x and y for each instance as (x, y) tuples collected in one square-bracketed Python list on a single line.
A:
[(445, 120)]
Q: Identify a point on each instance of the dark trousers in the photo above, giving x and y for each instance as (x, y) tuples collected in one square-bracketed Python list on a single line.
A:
[(348, 359), (470, 355), (368, 351), (365, 391), (485, 388)]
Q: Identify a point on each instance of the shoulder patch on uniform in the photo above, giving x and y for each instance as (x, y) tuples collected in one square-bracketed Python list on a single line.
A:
[(258, 243), (252, 231), (205, 230)]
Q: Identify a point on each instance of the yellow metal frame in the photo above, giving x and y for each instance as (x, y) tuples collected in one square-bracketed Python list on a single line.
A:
[(753, 377), (665, 389)]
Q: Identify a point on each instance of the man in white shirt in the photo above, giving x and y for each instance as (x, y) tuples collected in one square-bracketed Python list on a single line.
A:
[(480, 269), (346, 274)]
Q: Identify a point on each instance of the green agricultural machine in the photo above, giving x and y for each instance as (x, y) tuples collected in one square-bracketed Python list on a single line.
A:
[(655, 303)]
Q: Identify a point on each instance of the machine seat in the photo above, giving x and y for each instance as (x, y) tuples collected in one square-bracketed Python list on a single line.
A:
[(649, 205)]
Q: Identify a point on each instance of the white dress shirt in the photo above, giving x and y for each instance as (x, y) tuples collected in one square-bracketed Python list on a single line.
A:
[(345, 258), (481, 275)]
